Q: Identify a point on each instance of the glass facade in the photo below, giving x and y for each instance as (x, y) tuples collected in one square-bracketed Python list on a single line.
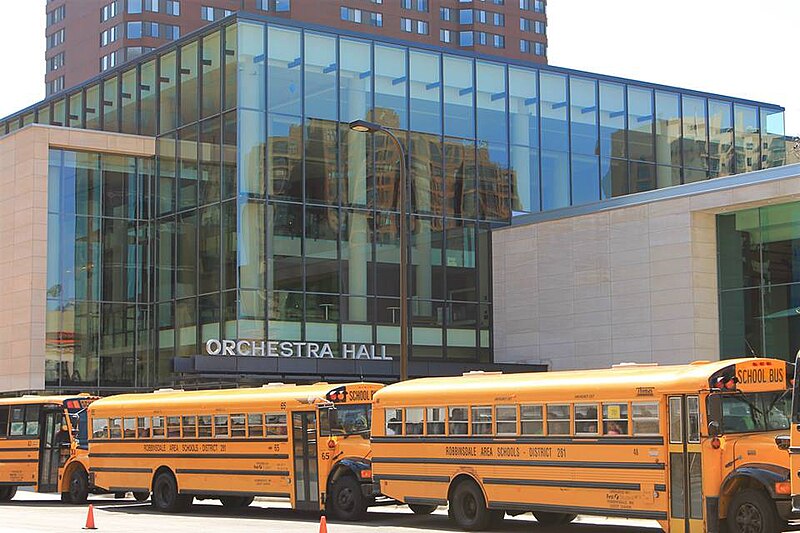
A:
[(264, 217), (759, 282)]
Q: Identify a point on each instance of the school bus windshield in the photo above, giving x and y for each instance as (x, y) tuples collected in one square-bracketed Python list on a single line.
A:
[(756, 412), (346, 420)]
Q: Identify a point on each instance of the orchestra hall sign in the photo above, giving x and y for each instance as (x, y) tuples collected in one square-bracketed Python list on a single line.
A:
[(295, 349)]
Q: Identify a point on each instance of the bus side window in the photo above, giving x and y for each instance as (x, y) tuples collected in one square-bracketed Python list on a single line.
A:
[(482, 420), (221, 426), (189, 425), (238, 427), (506, 419), (174, 427), (32, 421), (458, 421), (532, 419), (558, 419), (645, 418), (143, 427), (275, 424), (414, 420), (115, 424), (158, 426), (99, 428), (394, 421), (17, 421), (435, 420), (586, 419), (129, 428), (3, 421), (204, 426), (255, 425), (615, 419)]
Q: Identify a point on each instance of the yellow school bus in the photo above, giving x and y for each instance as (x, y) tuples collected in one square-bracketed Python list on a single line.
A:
[(308, 444), (794, 437), (691, 446), (43, 443)]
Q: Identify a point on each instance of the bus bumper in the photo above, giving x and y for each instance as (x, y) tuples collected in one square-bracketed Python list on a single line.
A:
[(371, 490), (788, 509)]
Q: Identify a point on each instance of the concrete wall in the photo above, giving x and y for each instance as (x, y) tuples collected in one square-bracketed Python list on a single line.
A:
[(633, 282), (24, 158)]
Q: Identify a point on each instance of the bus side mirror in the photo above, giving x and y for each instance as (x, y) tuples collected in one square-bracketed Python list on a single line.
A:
[(713, 429)]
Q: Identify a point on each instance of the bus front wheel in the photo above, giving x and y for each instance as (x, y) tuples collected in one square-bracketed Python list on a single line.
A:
[(141, 496), (553, 519), (469, 507), (78, 487), (234, 502), (165, 496), (7, 493), (346, 501), (752, 511)]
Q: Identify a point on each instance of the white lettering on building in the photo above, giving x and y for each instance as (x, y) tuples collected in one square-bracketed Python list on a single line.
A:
[(311, 350)]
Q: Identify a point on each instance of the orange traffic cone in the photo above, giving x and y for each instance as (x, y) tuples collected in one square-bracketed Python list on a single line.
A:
[(90, 518), (323, 525)]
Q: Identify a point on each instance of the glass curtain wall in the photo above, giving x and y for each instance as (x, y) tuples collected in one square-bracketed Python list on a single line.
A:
[(99, 304), (759, 280)]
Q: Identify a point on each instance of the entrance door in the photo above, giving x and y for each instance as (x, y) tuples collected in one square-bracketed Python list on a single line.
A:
[(49, 450), (306, 478), (685, 465)]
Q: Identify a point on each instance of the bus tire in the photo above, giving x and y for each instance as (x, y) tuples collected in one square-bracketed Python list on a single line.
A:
[(236, 502), (141, 496), (422, 509), (346, 500), (77, 487), (469, 507), (7, 493), (752, 511), (165, 497), (553, 519)]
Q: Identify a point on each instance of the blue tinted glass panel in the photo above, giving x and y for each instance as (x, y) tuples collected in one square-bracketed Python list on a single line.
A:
[(320, 76), (720, 134), (585, 179), (252, 81), (612, 120), (355, 81), (524, 176), (747, 142), (668, 128), (555, 180), (426, 92), (493, 185), (391, 82), (640, 123), (459, 89), (773, 145), (523, 107), (553, 89), (491, 102), (695, 132), (284, 71), (583, 114)]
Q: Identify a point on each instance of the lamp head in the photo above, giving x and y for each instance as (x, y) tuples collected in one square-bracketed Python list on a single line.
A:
[(362, 126)]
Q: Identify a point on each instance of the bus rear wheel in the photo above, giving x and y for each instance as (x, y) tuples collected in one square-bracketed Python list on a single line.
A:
[(77, 487), (422, 509), (553, 519), (165, 496), (752, 511), (469, 507), (347, 502), (234, 502), (7, 493)]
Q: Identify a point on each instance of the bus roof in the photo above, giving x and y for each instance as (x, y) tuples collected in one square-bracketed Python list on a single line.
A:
[(622, 381), (32, 399), (225, 398)]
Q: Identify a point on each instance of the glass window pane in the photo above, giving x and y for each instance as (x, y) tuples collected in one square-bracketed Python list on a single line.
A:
[(523, 106), (583, 115), (286, 229), (284, 70), (189, 86), (524, 175), (435, 420), (493, 185), (773, 145), (720, 138), (640, 124), (414, 420), (168, 95), (212, 71), (555, 179), (458, 421), (391, 81), (459, 115), (320, 76), (355, 80), (232, 76), (491, 102), (426, 87), (252, 143), (92, 107), (252, 76), (129, 99), (110, 105), (553, 89), (585, 179), (668, 130), (747, 142), (695, 133), (147, 99)]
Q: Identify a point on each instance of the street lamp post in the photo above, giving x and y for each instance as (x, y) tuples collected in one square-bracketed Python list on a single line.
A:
[(362, 126)]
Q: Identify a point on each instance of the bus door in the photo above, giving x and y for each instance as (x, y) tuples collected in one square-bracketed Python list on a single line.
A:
[(304, 444), (50, 449), (685, 466)]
